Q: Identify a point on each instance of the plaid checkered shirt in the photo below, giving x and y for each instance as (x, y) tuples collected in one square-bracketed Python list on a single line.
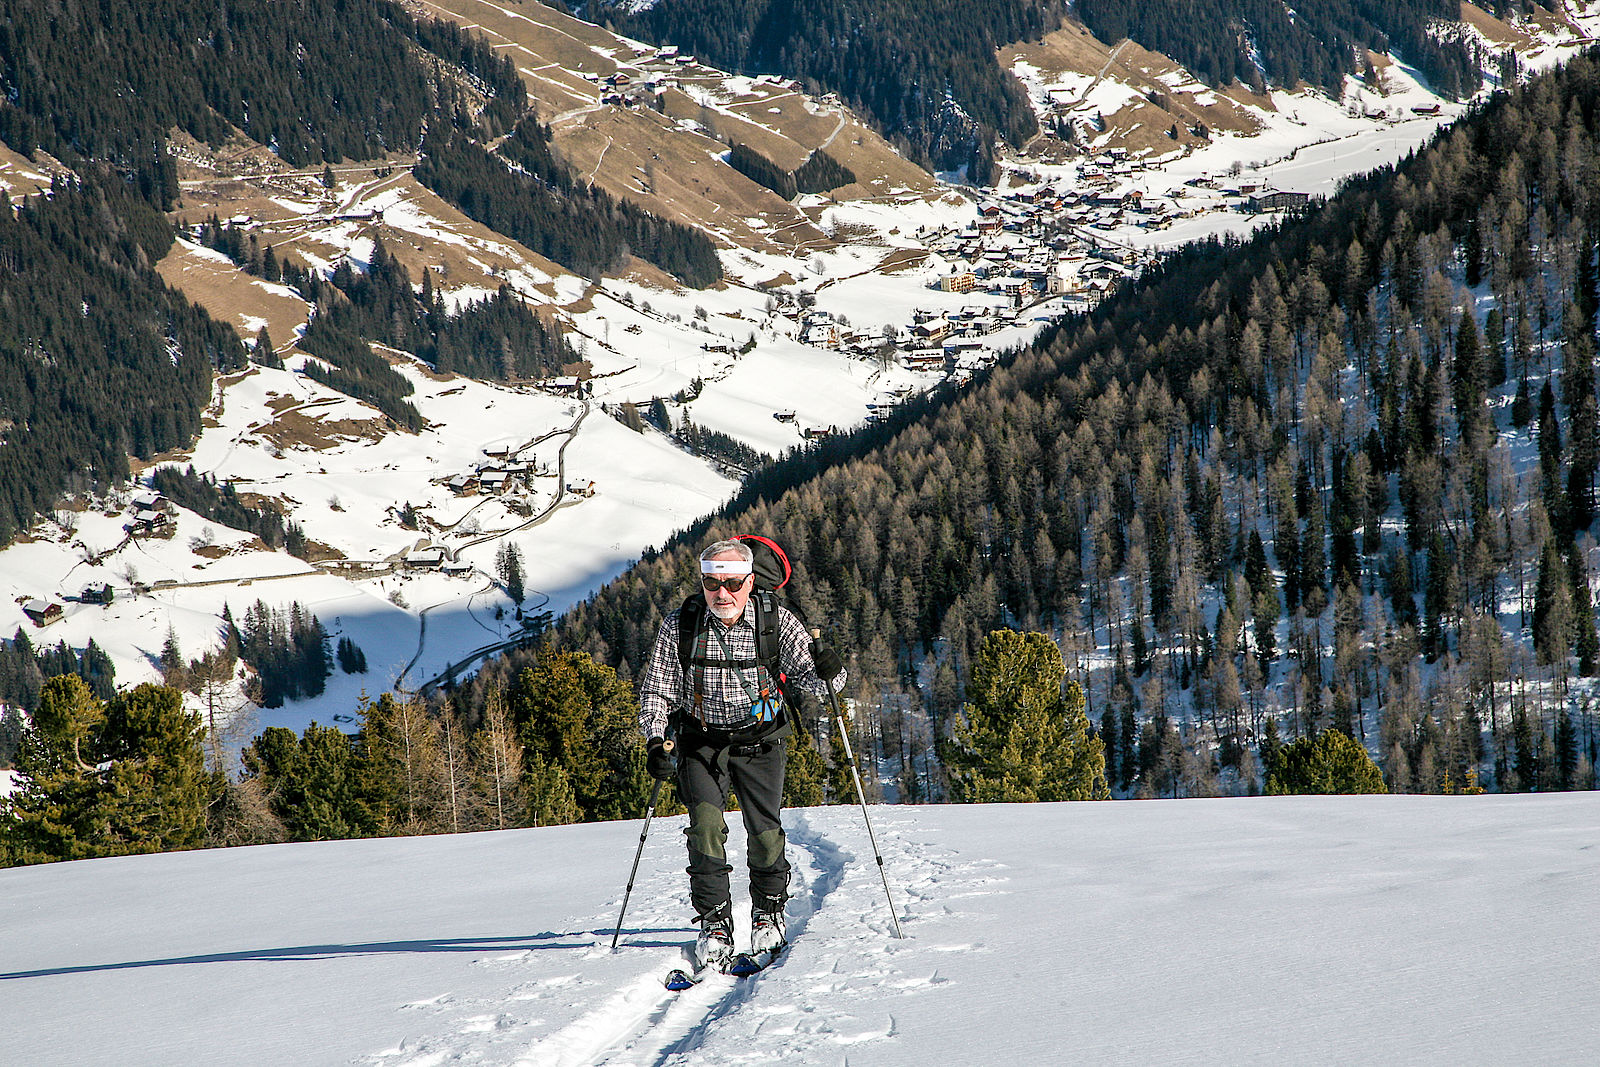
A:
[(664, 685)]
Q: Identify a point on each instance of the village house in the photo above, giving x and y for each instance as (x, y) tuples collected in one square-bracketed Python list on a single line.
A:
[(1019, 290), (958, 282), (424, 559), (1277, 200), (821, 334), (924, 359), (146, 522), (43, 613)]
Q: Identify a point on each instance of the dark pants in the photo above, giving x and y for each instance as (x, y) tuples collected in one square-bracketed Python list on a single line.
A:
[(706, 770)]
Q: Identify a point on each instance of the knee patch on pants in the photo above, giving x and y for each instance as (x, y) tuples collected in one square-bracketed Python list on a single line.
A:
[(766, 849), (708, 831)]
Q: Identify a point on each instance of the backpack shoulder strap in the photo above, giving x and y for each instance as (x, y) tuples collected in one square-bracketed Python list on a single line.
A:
[(767, 646), (690, 615)]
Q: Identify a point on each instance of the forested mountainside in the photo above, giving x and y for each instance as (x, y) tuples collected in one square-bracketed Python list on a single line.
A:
[(924, 70), (99, 360), (316, 80), (102, 361), (1298, 481), (1318, 41)]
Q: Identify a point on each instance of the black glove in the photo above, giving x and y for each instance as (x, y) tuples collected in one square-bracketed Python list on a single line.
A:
[(826, 661), (659, 760)]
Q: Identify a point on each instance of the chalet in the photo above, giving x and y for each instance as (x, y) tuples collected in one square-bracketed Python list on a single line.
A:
[(583, 489), (456, 568), (683, 61), (497, 451), (924, 359), (461, 484), (668, 52), (958, 282), (150, 500), (931, 330), (42, 613), (97, 594), (785, 415), (425, 559), (568, 385), (1425, 109), (146, 521), (493, 480)]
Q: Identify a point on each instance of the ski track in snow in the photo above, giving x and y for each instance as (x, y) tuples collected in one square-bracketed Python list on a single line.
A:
[(823, 995)]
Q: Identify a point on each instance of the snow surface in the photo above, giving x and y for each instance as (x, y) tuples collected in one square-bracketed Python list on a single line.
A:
[(1405, 930)]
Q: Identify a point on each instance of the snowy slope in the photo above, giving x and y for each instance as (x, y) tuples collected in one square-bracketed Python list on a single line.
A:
[(1294, 930)]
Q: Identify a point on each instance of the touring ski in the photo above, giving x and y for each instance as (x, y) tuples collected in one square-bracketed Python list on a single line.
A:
[(740, 965), (746, 964), (684, 977)]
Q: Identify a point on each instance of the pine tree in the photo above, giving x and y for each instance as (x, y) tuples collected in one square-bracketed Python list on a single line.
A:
[(1552, 607), (805, 772), (549, 791), (1020, 737), (577, 716), (1332, 762), (157, 785)]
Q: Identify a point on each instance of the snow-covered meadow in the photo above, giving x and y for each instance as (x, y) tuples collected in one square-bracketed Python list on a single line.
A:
[(1396, 930)]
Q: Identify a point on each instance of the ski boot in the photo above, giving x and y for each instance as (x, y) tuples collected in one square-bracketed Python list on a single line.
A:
[(715, 945), (766, 926)]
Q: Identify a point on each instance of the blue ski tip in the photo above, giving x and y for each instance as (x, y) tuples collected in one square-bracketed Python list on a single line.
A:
[(680, 980), (747, 963)]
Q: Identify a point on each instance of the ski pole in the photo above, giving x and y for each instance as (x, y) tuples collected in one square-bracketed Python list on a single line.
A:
[(844, 735), (649, 813)]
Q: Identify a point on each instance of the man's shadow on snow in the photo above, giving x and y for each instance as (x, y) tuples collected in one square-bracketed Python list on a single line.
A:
[(530, 943)]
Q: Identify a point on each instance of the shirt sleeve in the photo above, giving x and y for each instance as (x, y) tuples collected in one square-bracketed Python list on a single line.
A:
[(794, 657), (661, 683)]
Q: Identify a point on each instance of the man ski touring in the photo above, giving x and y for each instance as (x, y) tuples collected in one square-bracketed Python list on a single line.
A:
[(715, 680)]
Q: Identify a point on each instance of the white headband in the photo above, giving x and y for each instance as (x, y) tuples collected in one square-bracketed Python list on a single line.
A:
[(726, 566)]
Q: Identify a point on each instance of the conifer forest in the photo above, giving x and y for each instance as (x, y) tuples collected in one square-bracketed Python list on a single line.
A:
[(1273, 484)]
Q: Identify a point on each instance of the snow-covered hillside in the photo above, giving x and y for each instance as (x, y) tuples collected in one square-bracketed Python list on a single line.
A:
[(1403, 930)]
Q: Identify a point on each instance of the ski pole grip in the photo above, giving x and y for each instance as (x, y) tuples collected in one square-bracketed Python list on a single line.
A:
[(668, 744)]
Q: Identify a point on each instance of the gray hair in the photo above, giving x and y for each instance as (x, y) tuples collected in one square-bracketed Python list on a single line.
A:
[(720, 548)]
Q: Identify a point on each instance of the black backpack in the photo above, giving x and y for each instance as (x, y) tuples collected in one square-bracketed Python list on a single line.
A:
[(772, 573)]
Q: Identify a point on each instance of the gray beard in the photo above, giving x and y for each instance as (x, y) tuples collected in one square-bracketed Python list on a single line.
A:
[(726, 614)]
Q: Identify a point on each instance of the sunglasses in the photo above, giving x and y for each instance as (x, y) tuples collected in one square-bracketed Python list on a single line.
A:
[(732, 585)]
